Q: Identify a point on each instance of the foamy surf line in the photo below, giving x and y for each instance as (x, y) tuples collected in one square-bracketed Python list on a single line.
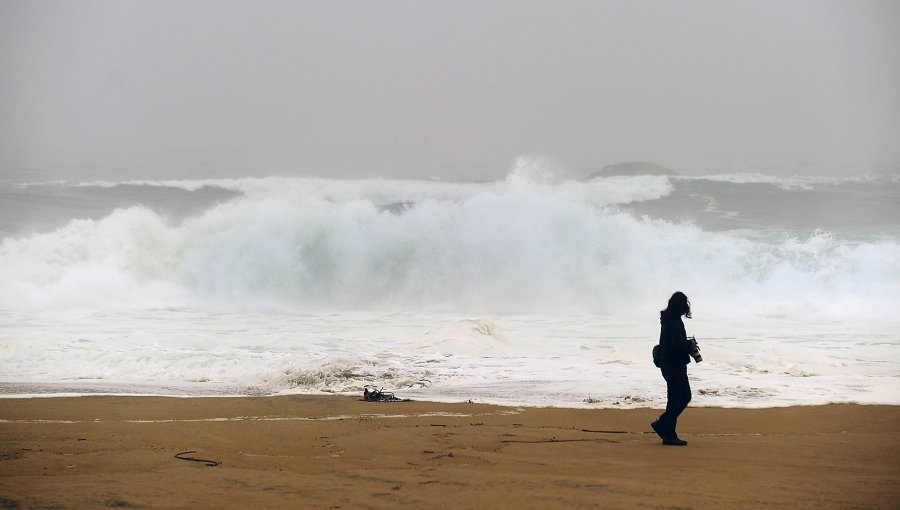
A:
[(539, 361)]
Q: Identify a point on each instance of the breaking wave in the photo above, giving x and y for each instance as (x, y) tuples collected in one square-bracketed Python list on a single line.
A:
[(531, 243)]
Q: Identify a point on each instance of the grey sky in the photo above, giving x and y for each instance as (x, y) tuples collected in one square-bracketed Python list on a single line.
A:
[(455, 88)]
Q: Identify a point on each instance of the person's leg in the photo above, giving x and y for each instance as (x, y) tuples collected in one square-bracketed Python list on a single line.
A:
[(678, 393), (681, 392), (664, 426)]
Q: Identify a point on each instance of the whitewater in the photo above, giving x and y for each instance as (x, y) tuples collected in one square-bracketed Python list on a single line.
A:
[(531, 290)]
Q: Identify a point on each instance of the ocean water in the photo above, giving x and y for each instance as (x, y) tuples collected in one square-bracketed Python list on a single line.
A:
[(531, 290)]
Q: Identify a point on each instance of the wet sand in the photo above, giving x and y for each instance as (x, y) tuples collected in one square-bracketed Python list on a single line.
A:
[(338, 452)]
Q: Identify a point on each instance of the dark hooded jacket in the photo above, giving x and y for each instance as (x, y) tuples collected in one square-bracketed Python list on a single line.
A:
[(673, 342)]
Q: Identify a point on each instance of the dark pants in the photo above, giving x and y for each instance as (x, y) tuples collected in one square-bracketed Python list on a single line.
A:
[(678, 391)]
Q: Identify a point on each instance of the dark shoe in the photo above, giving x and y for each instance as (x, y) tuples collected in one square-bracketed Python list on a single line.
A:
[(674, 441), (658, 429)]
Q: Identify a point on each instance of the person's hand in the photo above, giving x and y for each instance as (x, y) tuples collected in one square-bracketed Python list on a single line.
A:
[(693, 342)]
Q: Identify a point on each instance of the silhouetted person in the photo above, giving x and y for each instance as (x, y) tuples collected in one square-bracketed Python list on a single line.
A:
[(675, 349)]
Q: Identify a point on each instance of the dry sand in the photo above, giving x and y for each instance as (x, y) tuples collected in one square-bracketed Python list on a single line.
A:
[(338, 452)]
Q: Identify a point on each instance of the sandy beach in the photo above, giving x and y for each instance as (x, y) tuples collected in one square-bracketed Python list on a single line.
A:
[(339, 452)]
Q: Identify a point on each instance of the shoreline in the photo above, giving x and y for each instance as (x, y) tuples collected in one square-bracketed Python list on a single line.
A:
[(587, 407), (312, 451), (211, 393)]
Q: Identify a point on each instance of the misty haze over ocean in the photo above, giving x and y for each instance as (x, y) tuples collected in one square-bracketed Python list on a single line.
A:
[(466, 200), (102, 89)]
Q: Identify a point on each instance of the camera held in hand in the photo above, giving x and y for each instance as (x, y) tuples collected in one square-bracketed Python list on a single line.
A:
[(695, 351)]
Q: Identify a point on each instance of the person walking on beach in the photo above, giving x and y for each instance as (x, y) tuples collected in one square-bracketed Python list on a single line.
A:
[(675, 351)]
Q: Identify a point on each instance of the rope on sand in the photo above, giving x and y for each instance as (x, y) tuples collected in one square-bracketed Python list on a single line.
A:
[(209, 463)]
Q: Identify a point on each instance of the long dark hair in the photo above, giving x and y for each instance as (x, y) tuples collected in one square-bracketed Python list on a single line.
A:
[(678, 306)]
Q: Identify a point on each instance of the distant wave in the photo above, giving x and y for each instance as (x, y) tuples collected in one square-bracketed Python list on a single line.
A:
[(792, 181), (612, 190)]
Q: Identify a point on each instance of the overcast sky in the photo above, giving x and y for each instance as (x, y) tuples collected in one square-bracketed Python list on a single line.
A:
[(452, 88)]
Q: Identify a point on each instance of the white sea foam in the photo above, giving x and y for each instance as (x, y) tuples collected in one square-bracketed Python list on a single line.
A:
[(534, 290), (560, 360)]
